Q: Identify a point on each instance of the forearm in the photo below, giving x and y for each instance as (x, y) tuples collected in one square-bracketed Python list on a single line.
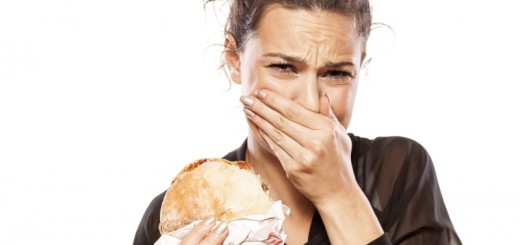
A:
[(349, 218)]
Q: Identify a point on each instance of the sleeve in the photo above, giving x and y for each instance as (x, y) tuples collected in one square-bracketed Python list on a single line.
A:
[(402, 186), (148, 230), (382, 240)]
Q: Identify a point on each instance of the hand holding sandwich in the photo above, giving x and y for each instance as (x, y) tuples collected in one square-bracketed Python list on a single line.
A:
[(207, 232)]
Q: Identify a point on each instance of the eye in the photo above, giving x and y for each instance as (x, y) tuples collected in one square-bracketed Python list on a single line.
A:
[(339, 75), (283, 68)]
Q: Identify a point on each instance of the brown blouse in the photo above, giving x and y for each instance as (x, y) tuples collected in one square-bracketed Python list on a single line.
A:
[(397, 176)]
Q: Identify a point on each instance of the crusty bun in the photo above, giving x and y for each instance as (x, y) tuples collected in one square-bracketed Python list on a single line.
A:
[(213, 187)]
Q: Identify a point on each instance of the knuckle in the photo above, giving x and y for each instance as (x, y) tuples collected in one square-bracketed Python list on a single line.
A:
[(327, 133), (330, 125), (315, 145), (292, 172), (293, 112), (278, 136), (307, 160), (290, 175), (281, 122)]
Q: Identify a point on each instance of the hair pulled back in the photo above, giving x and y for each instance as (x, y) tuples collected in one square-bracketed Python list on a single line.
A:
[(244, 15)]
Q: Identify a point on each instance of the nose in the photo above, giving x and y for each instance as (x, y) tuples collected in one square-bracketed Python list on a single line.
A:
[(308, 92)]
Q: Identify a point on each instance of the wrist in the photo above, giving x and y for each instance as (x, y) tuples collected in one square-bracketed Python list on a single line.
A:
[(350, 198), (344, 191), (350, 218)]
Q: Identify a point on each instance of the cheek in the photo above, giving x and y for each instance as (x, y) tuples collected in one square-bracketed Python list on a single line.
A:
[(256, 77), (251, 79), (252, 74), (343, 104)]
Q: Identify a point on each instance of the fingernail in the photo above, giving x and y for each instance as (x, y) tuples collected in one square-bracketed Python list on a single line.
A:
[(246, 100), (209, 220), (221, 228), (261, 94), (249, 112)]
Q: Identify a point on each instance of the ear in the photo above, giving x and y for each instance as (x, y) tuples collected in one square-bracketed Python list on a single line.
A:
[(232, 58)]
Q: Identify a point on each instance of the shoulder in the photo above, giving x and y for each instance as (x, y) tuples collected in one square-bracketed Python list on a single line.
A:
[(148, 229), (238, 154), (387, 165), (388, 144), (390, 152), (398, 178)]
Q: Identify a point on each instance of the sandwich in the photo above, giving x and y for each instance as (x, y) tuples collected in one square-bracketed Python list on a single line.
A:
[(213, 187)]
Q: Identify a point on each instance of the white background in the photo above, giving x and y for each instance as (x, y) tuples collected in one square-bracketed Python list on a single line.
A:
[(103, 101)]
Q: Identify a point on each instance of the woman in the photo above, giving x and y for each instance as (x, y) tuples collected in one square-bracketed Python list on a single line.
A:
[(298, 64)]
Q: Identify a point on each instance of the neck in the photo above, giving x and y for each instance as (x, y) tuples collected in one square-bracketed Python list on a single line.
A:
[(267, 165)]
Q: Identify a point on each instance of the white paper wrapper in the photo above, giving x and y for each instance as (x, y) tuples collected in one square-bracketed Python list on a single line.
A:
[(250, 230)]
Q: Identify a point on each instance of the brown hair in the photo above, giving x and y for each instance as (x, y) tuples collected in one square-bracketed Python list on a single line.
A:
[(245, 14)]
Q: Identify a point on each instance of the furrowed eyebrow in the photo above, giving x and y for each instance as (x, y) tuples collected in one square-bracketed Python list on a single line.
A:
[(286, 57), (295, 59), (339, 64)]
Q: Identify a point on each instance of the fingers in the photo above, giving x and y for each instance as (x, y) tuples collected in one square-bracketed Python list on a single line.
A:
[(283, 120), (285, 158), (288, 108), (203, 233), (326, 102), (217, 235), (325, 105), (286, 122), (271, 121), (286, 136)]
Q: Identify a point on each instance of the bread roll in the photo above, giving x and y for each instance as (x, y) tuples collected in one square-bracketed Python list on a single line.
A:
[(213, 187)]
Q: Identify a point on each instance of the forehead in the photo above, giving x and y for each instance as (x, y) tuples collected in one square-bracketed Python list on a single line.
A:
[(305, 31)]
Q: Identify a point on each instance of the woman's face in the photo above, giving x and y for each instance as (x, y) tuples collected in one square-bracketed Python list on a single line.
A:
[(302, 55)]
